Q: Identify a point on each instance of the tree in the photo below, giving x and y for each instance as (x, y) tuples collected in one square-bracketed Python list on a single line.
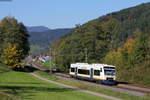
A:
[(141, 48), (11, 56), (13, 34), (1, 39)]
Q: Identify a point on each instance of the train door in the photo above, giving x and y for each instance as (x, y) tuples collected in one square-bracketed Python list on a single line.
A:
[(101, 73), (91, 74), (76, 71)]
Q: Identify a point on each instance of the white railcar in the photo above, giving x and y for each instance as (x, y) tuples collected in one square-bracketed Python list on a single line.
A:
[(95, 72)]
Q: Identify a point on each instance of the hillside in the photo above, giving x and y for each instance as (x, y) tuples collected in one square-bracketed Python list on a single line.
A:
[(42, 36), (120, 38)]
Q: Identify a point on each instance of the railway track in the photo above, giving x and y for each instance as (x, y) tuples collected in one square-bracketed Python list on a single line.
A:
[(137, 91), (123, 88), (118, 86)]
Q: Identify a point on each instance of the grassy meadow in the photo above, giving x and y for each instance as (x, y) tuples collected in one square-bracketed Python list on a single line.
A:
[(23, 86)]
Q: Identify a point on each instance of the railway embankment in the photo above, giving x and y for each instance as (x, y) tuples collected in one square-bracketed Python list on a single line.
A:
[(121, 91)]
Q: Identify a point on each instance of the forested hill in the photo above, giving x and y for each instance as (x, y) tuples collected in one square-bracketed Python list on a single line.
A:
[(120, 38), (130, 19), (37, 28), (43, 36)]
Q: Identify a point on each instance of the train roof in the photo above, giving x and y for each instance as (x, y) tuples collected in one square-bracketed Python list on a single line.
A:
[(103, 65), (86, 65)]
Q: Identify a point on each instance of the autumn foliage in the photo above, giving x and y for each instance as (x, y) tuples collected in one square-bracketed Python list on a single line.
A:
[(14, 45), (132, 59), (11, 56)]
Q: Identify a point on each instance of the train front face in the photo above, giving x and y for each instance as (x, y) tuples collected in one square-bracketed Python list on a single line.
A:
[(109, 75)]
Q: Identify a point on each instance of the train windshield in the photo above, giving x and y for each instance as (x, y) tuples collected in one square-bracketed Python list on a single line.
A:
[(109, 70)]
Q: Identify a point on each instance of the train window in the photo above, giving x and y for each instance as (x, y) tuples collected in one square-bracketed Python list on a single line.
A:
[(83, 71), (97, 72), (72, 69), (107, 67)]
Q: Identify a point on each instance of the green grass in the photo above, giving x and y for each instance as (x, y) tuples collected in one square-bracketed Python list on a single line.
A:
[(26, 87), (124, 96), (48, 64)]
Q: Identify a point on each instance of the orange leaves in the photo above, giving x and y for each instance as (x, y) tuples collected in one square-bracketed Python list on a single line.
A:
[(129, 45)]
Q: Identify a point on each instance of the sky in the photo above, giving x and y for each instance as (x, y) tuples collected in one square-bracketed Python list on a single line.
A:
[(61, 13)]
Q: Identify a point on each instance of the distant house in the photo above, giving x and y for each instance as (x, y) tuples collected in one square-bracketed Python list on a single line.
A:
[(44, 58)]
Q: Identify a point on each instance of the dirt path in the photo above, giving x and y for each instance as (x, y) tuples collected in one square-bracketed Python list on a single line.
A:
[(68, 86)]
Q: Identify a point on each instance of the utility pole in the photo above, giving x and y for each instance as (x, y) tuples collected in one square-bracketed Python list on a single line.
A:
[(54, 54)]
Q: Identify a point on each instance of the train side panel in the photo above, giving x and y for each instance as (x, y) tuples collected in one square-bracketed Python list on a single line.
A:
[(93, 72)]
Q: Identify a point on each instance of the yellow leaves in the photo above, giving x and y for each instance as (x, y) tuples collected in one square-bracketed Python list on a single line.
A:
[(11, 56), (117, 57), (11, 51)]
